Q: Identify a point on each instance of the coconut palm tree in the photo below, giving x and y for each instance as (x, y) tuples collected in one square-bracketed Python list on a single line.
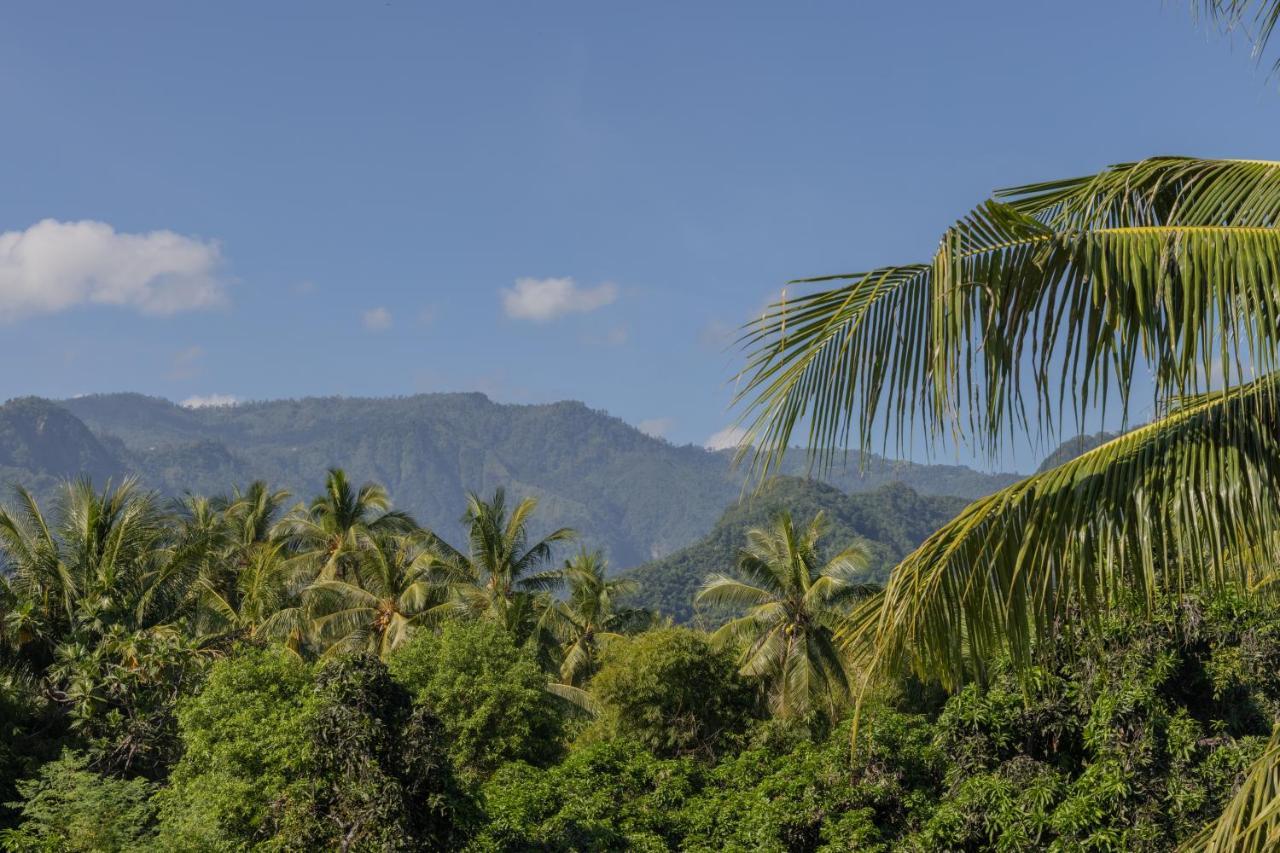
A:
[(1044, 303), (589, 618), (794, 602), (245, 579), (327, 536), (1047, 302), (374, 609), (252, 512), (499, 577), (257, 599), (104, 558)]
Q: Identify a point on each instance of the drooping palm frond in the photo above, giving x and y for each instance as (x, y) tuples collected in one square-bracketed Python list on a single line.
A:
[(1257, 19), (1058, 295), (1161, 508), (1251, 821)]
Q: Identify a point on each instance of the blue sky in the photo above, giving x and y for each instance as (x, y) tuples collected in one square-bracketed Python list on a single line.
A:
[(286, 199)]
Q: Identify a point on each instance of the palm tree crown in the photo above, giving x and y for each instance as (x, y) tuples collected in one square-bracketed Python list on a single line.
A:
[(794, 603), (589, 618), (327, 536), (499, 578)]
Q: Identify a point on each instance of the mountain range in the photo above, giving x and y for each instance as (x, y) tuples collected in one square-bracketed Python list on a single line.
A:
[(638, 497)]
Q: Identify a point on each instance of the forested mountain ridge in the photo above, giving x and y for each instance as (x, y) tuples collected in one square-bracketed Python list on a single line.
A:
[(636, 496), (890, 521)]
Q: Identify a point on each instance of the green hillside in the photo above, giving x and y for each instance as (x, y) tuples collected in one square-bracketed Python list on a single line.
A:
[(638, 497), (1073, 447), (892, 520)]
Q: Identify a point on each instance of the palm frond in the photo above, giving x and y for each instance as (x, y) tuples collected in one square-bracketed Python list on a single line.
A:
[(1158, 509), (724, 591), (1257, 18), (1251, 821), (1057, 294)]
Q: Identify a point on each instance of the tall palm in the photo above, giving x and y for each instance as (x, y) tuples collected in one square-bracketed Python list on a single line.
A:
[(327, 536), (378, 604), (245, 578), (1045, 301), (107, 557), (794, 602), (257, 599), (589, 617), (499, 578)]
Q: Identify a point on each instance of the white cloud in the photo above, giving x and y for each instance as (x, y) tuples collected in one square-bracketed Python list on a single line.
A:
[(656, 427), (199, 402), (53, 266), (543, 299), (728, 438), (377, 319)]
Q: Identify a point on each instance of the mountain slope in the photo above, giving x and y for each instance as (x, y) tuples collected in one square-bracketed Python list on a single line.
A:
[(42, 443), (1073, 447), (892, 520), (638, 497)]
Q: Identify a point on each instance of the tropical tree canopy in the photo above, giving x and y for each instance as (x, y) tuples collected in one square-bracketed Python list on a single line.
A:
[(501, 575), (794, 602), (590, 617)]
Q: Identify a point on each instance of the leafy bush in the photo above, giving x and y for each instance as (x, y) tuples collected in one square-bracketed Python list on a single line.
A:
[(69, 808), (669, 690), (607, 796), (489, 694), (245, 752), (379, 776)]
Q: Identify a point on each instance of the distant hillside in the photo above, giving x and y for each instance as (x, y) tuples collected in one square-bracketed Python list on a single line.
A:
[(639, 497), (893, 520), (1073, 447), (42, 443)]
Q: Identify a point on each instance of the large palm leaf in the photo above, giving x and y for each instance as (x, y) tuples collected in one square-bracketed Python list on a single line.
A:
[(1047, 301), (1166, 507)]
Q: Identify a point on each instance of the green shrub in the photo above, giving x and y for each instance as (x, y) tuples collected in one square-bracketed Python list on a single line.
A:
[(380, 778), (69, 808), (669, 690), (489, 694), (245, 752)]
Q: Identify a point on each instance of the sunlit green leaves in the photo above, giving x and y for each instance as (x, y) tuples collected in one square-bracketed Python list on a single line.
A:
[(1167, 507), (1048, 302)]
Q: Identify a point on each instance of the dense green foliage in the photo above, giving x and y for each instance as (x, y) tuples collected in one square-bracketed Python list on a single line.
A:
[(69, 807), (488, 692), (890, 521), (1128, 746), (245, 751), (671, 691), (174, 681), (635, 496)]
